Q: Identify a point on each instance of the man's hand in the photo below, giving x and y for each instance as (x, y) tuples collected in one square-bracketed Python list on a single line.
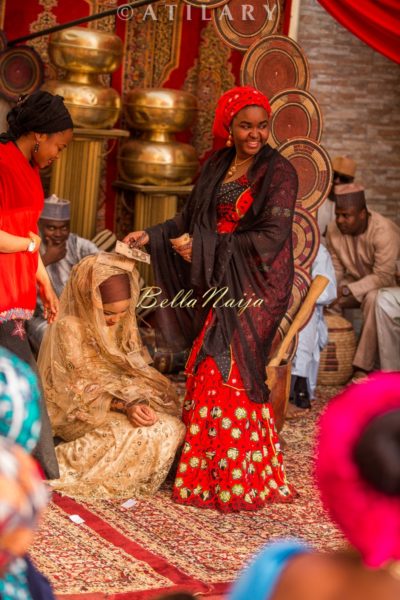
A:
[(346, 298), (54, 252), (141, 414)]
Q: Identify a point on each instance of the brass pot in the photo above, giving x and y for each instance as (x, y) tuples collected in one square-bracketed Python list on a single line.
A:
[(157, 163), (162, 110), (90, 105), (85, 50)]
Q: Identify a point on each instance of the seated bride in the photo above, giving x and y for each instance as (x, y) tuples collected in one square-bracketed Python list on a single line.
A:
[(118, 418)]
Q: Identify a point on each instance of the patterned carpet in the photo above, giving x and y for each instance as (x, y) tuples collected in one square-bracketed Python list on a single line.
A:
[(156, 546)]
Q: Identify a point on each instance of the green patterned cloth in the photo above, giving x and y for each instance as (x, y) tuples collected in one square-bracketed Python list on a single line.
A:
[(19, 401), (19, 422)]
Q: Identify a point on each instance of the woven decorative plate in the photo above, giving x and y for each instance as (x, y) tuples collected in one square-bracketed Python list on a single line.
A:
[(301, 283), (273, 64), (306, 238), (314, 170), (284, 325), (240, 25), (206, 3), (295, 113), (280, 334), (21, 72)]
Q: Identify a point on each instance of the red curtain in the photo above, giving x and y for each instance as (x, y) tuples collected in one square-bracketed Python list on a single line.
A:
[(376, 22)]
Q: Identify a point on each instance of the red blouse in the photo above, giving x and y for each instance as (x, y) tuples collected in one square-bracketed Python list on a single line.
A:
[(21, 202)]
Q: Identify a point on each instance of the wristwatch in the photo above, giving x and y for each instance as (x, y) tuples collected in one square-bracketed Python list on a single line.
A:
[(31, 246), (345, 291)]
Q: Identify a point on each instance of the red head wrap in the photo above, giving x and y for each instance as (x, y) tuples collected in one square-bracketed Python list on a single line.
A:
[(232, 102)]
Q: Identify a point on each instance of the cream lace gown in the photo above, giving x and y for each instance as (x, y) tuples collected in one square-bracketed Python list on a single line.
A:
[(117, 460), (84, 365)]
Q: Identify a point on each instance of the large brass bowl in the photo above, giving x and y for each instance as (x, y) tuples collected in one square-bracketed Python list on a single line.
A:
[(85, 50), (90, 105), (161, 110), (157, 163)]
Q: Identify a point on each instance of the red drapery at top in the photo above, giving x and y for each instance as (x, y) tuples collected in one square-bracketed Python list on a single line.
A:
[(376, 22)]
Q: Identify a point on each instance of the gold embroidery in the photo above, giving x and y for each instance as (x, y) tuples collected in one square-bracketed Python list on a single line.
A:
[(210, 77), (279, 211), (44, 20), (152, 47)]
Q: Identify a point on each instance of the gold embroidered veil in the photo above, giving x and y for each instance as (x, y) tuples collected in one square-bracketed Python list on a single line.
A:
[(83, 363)]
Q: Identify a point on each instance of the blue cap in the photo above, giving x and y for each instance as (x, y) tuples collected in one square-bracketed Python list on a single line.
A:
[(56, 209)]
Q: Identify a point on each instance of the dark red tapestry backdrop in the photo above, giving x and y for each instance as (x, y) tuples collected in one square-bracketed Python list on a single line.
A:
[(376, 22), (183, 52)]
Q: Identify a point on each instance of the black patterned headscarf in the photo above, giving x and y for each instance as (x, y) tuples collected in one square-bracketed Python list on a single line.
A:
[(40, 112)]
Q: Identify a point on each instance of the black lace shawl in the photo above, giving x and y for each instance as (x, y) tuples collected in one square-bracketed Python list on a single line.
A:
[(255, 261)]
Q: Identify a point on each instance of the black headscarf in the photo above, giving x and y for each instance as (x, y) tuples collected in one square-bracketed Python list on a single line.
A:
[(40, 112), (256, 260)]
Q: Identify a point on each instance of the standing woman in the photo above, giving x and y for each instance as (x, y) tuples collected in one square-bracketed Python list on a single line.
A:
[(40, 127), (239, 218)]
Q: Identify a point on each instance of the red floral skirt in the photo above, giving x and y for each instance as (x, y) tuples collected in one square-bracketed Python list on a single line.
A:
[(231, 458)]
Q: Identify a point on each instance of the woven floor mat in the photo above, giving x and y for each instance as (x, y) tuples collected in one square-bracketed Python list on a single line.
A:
[(157, 546)]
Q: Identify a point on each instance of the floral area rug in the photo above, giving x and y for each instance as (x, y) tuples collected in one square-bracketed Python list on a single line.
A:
[(154, 546)]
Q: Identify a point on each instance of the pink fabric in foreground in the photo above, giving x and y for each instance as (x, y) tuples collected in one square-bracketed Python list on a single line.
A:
[(369, 519)]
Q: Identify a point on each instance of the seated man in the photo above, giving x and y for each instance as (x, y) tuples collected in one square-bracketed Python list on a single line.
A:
[(364, 247), (60, 251), (388, 326), (344, 170), (313, 337)]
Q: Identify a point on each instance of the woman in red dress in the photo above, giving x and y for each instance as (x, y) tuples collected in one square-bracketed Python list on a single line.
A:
[(40, 127), (237, 272)]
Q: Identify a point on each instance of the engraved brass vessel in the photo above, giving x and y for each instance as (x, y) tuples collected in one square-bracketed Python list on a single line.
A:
[(85, 54), (157, 158), (160, 110)]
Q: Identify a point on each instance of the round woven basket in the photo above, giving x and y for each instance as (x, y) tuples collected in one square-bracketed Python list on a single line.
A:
[(336, 365)]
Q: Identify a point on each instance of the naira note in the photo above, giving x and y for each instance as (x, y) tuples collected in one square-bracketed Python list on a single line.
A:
[(134, 253)]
